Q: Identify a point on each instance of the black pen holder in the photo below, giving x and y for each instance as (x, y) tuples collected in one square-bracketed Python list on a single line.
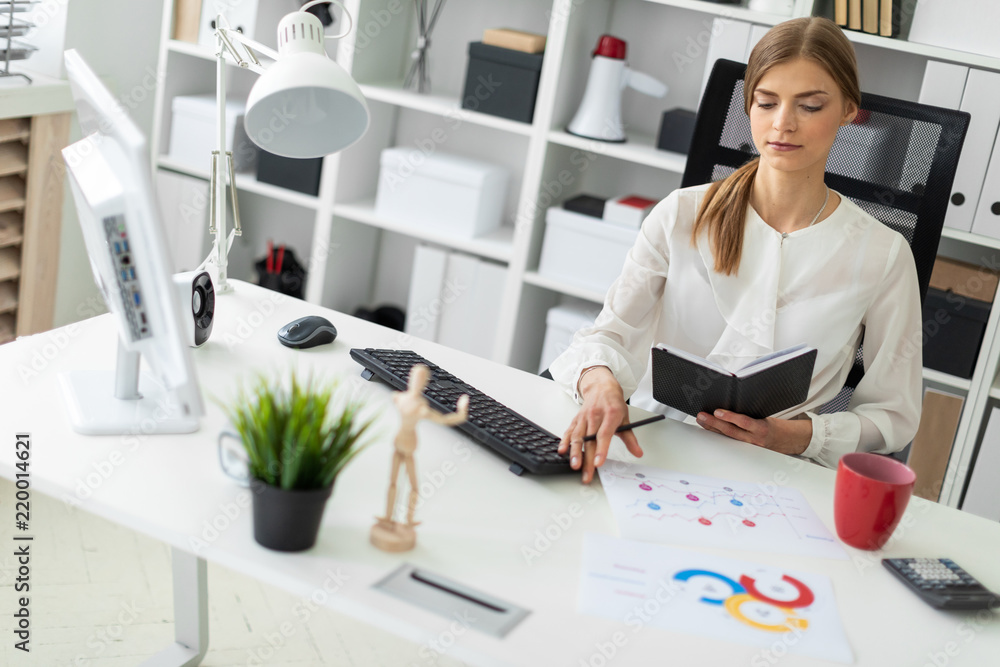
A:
[(290, 280)]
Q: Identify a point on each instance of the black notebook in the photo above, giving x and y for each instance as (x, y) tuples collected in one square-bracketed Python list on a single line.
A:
[(765, 386)]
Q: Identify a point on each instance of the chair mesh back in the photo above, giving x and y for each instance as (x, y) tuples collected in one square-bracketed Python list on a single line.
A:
[(897, 160)]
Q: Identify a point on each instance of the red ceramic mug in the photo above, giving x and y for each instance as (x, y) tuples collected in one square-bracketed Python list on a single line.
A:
[(870, 496)]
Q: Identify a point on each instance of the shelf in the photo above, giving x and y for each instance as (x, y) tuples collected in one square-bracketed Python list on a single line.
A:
[(13, 158), (440, 105), (995, 391), (8, 296), (858, 37), (726, 11), (947, 380), (14, 129), (246, 183), (498, 245), (10, 263), (569, 289), (6, 328), (968, 237), (11, 229), (640, 149), (196, 50), (11, 193), (926, 50)]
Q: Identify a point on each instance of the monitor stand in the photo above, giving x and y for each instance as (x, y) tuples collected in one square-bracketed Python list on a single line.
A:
[(123, 401)]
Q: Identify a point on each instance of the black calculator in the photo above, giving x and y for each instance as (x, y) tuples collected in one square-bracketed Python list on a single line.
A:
[(941, 583)]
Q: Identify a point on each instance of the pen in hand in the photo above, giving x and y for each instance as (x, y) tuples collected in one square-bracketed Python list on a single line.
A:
[(627, 427)]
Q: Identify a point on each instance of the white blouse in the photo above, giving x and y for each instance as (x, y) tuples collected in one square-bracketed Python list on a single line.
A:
[(846, 280)]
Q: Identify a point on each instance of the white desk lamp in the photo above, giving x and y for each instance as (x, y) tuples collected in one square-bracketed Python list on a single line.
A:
[(304, 105)]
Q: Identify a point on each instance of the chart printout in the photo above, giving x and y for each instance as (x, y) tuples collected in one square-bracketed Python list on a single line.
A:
[(685, 591), (656, 505)]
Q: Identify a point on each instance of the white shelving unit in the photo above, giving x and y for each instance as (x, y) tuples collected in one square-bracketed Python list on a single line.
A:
[(358, 258)]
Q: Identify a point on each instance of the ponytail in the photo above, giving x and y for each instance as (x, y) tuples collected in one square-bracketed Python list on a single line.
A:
[(723, 211)]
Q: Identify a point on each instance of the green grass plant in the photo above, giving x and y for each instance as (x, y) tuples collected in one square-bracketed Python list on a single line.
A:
[(301, 436)]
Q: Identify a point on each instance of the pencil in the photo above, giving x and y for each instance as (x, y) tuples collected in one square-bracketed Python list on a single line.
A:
[(627, 427)]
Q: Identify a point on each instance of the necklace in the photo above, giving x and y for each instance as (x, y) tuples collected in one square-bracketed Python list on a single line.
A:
[(822, 208)]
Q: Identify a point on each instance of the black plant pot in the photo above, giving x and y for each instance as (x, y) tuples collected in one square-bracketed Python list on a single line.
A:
[(287, 520)]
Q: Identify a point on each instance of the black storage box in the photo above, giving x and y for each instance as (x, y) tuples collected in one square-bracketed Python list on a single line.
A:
[(301, 175), (953, 331), (587, 205), (502, 82), (676, 130)]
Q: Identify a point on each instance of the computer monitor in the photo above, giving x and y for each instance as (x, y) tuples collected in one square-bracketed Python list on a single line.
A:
[(110, 177)]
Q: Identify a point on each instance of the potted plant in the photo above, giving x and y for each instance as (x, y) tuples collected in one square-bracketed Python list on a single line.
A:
[(297, 440)]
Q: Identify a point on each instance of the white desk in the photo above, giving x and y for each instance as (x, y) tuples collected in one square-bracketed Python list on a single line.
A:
[(476, 520)]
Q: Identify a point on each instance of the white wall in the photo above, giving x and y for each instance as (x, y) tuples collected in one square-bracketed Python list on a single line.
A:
[(120, 41)]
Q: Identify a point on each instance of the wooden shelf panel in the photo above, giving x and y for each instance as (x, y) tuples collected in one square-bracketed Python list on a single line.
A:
[(440, 105), (11, 193), (725, 10), (640, 149), (247, 183), (11, 228), (8, 296), (563, 287), (10, 263), (14, 129), (7, 324), (13, 158), (968, 237), (497, 245), (947, 380)]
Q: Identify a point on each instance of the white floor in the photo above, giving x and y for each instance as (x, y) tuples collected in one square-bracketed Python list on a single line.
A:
[(101, 597)]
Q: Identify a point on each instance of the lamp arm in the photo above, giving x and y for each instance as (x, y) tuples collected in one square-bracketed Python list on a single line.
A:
[(228, 36)]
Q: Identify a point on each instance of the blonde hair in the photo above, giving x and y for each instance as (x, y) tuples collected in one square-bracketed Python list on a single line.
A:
[(723, 211)]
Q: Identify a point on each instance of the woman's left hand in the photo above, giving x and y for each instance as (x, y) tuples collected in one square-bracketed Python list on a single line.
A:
[(788, 436)]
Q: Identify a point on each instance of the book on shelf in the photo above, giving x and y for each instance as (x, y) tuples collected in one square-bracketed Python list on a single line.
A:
[(869, 19), (763, 387), (840, 13), (854, 14)]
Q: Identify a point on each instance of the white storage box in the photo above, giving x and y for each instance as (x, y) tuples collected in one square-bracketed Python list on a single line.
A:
[(562, 322), (442, 193), (583, 250), (629, 210), (192, 133)]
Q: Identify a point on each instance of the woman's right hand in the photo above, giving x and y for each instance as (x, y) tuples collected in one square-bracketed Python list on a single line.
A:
[(603, 411)]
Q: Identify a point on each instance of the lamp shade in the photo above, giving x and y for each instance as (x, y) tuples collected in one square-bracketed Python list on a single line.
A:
[(304, 105)]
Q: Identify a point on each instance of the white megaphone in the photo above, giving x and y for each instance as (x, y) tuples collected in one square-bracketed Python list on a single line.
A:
[(600, 112)]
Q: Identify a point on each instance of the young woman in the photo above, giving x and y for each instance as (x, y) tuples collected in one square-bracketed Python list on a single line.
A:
[(765, 259)]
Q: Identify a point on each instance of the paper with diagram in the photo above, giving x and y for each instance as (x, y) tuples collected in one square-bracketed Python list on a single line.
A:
[(641, 584), (656, 505)]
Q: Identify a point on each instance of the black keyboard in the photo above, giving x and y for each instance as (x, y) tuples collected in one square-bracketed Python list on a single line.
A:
[(526, 444)]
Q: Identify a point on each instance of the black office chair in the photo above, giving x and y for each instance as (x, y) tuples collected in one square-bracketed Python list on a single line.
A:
[(897, 162)]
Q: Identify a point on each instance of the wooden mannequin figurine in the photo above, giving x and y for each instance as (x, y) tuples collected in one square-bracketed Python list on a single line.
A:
[(387, 534)]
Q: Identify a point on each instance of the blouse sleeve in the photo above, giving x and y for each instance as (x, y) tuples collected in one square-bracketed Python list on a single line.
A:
[(623, 331), (884, 411)]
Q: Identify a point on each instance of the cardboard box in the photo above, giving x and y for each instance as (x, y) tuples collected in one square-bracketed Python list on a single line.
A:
[(516, 40), (964, 279), (932, 444), (443, 193)]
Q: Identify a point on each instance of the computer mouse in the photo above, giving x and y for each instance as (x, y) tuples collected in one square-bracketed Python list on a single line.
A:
[(308, 331)]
